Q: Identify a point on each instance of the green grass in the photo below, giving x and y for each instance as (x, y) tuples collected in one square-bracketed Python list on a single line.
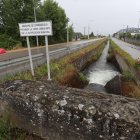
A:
[(127, 76), (8, 132), (4, 130), (116, 49)]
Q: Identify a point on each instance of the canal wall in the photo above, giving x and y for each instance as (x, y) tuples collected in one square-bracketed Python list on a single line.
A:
[(87, 58), (83, 62), (67, 71), (122, 62), (125, 66), (60, 113)]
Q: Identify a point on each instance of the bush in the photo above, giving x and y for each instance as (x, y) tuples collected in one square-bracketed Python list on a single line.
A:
[(7, 42)]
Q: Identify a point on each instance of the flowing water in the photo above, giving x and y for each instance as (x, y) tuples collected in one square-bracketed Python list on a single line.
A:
[(100, 72)]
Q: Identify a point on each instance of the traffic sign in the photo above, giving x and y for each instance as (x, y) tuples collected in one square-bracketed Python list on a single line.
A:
[(35, 29)]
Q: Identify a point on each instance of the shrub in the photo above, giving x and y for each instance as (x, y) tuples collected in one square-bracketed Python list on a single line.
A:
[(7, 42)]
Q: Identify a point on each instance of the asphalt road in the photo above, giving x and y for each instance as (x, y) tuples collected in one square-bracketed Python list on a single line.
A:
[(133, 50), (14, 54)]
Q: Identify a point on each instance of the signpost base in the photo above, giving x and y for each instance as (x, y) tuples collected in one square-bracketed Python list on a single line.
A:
[(48, 58), (30, 56)]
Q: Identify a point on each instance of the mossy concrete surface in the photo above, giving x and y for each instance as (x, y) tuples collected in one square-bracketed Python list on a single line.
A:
[(61, 113)]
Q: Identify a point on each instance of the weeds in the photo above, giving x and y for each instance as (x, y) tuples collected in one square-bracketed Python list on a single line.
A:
[(127, 76), (114, 48)]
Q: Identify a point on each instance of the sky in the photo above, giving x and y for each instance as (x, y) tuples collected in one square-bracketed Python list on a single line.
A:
[(102, 16)]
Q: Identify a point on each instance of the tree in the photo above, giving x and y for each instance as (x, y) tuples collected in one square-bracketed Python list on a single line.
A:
[(50, 10), (122, 36), (92, 34), (128, 35), (13, 12), (71, 32)]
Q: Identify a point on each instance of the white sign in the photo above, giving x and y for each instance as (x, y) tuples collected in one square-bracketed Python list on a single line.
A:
[(35, 29)]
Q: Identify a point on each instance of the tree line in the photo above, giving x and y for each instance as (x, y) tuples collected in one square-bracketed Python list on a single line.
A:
[(13, 12)]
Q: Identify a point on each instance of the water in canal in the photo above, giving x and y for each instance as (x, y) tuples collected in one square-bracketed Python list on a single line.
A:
[(100, 72)]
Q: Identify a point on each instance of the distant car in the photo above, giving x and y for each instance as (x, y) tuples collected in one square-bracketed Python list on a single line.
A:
[(2, 51)]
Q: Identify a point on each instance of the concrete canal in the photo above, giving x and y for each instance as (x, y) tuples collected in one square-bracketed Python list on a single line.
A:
[(100, 72)]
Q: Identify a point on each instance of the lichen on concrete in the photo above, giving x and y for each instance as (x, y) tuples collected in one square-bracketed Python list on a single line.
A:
[(61, 113)]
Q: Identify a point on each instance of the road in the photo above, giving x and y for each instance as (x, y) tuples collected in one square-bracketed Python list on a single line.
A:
[(16, 61), (133, 50), (14, 54)]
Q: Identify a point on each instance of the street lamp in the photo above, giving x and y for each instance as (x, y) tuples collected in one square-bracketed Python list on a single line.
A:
[(88, 31), (68, 48), (67, 33), (84, 32), (35, 21), (139, 22)]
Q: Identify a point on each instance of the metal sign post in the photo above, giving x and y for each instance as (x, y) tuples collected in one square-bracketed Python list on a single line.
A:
[(37, 29), (30, 55), (48, 58), (68, 48)]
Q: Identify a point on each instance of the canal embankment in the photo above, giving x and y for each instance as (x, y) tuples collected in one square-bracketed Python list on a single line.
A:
[(89, 68), (130, 69), (100, 72)]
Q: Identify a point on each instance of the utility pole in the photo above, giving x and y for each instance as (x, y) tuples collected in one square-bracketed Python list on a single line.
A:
[(127, 30), (139, 24), (68, 38), (67, 33), (88, 31), (84, 31), (35, 21)]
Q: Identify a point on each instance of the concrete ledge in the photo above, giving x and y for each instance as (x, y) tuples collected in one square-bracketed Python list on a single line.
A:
[(125, 66), (60, 113)]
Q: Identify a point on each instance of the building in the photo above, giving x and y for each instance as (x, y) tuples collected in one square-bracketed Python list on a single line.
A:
[(132, 31)]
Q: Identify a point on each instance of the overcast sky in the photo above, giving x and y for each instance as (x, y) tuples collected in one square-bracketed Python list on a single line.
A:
[(103, 16)]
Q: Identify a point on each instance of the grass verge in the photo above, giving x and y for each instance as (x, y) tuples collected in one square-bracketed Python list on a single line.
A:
[(129, 86), (8, 132), (114, 48)]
